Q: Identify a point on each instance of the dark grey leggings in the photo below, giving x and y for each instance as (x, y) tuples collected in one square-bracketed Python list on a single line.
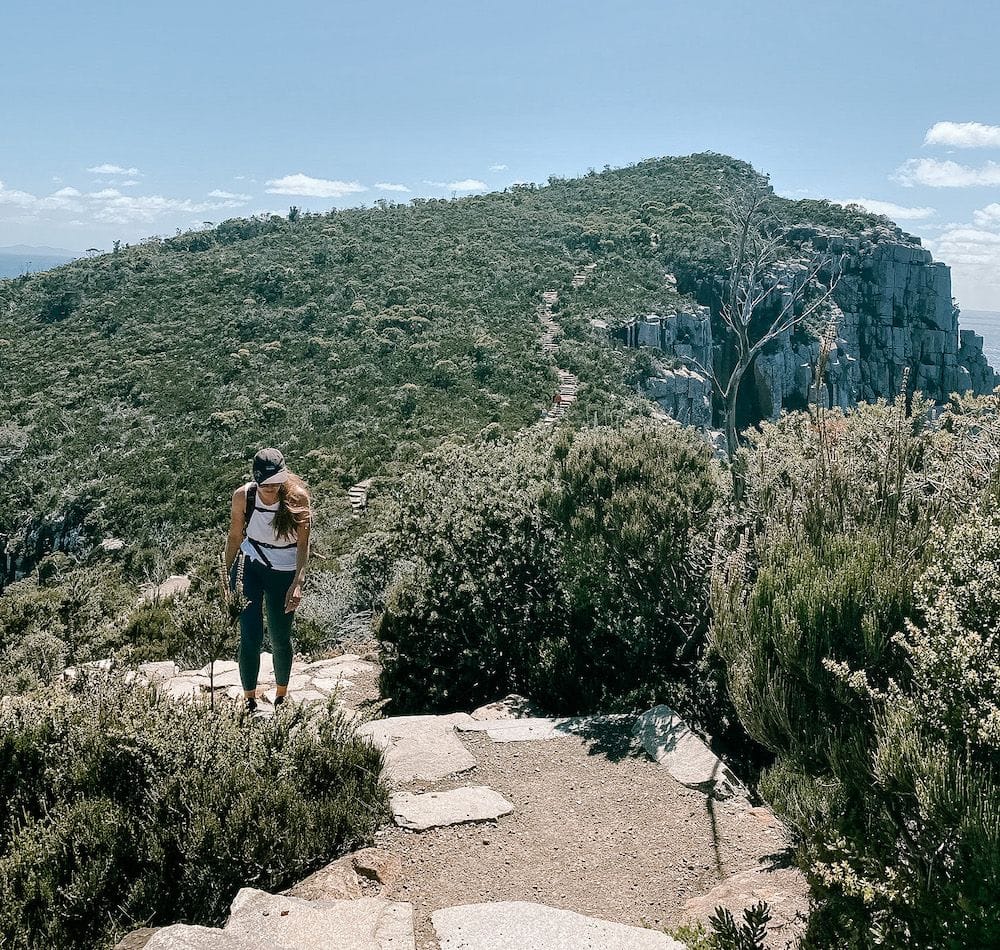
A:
[(264, 588)]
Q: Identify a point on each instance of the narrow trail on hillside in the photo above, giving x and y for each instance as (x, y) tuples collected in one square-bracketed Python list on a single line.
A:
[(566, 392)]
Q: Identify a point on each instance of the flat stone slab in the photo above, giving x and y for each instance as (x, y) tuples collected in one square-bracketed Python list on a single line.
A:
[(519, 925), (455, 807), (221, 666), (670, 742), (350, 664), (262, 921), (191, 937), (536, 728), (180, 687), (368, 923), (420, 747), (159, 671)]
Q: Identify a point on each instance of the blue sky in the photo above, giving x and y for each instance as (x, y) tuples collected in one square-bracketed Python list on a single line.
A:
[(122, 120)]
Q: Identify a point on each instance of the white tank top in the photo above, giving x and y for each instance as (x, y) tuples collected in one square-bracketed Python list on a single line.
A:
[(281, 552)]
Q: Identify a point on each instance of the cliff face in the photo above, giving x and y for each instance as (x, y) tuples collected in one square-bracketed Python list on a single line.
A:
[(892, 309)]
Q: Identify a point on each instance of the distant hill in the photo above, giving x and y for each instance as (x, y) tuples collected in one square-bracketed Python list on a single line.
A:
[(140, 382), (18, 259)]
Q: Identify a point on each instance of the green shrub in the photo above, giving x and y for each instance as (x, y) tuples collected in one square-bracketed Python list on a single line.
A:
[(119, 807), (572, 570), (471, 579), (632, 510), (857, 614)]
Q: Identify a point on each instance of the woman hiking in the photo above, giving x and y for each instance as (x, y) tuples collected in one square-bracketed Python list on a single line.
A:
[(269, 531)]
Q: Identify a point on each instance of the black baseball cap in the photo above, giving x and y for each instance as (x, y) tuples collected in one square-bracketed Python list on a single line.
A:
[(269, 467)]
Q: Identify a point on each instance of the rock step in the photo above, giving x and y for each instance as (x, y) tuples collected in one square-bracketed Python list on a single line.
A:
[(420, 747), (358, 496), (458, 806), (520, 925), (670, 742), (537, 728), (262, 921)]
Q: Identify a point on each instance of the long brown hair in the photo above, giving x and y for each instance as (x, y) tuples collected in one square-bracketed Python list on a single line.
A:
[(294, 509)]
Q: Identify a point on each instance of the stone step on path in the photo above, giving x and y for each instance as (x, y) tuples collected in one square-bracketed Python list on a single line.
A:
[(262, 921), (420, 747), (520, 925), (420, 812), (309, 682), (358, 496)]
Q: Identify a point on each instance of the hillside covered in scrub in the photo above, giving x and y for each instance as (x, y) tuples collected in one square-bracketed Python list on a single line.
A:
[(136, 384)]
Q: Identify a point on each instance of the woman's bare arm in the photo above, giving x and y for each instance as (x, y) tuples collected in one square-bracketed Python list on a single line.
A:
[(294, 595), (236, 516)]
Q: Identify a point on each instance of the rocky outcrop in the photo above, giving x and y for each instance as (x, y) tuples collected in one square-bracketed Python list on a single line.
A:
[(891, 311)]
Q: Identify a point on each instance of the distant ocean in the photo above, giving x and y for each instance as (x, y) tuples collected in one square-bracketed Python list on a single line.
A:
[(14, 265), (987, 324)]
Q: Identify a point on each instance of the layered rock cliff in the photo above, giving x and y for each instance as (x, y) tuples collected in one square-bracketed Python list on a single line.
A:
[(892, 310)]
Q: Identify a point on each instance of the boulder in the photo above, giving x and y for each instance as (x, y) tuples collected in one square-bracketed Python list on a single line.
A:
[(336, 881), (670, 742), (377, 864), (510, 707)]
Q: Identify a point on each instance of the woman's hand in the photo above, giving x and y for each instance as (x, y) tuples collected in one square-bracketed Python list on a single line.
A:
[(293, 598)]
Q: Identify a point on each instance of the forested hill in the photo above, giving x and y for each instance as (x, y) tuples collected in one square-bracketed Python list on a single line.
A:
[(136, 385)]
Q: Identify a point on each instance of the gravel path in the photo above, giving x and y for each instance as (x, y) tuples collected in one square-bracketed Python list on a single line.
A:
[(597, 828)]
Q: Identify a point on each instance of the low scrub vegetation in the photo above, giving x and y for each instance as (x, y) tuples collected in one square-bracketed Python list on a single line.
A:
[(120, 808)]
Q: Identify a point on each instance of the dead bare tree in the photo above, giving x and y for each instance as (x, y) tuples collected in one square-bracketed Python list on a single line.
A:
[(765, 295)]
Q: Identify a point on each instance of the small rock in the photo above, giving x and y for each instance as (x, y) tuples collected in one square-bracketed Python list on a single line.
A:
[(337, 881), (137, 939), (510, 707), (378, 864)]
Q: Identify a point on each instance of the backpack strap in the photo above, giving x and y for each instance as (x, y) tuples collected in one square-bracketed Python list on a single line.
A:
[(251, 504)]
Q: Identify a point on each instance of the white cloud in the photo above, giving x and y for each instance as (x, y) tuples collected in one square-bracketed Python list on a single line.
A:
[(468, 184), (988, 216), (974, 256), (889, 209), (20, 199), (125, 209), (309, 187), (128, 183), (105, 193), (498, 168), (108, 169), (946, 174), (389, 186), (66, 193), (963, 135), (228, 195)]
